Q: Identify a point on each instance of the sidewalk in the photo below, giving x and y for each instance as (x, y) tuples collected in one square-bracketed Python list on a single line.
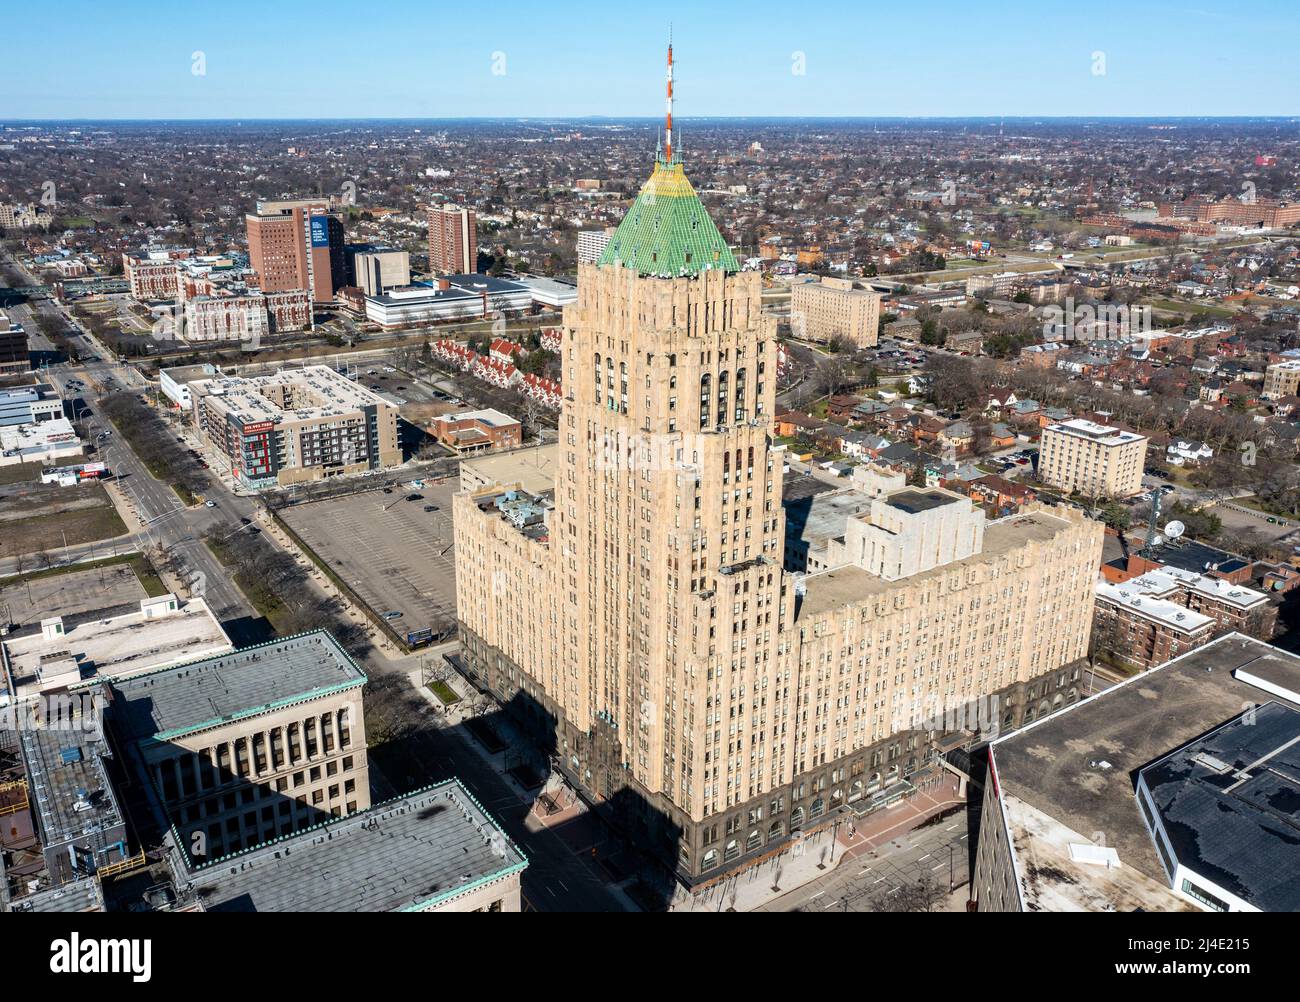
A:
[(818, 854)]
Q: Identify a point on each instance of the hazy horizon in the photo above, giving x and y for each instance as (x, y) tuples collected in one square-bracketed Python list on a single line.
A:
[(405, 60)]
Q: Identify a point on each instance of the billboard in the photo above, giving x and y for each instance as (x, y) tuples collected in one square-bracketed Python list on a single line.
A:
[(320, 231), (260, 426)]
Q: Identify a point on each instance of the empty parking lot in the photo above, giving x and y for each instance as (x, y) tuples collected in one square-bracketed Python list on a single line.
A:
[(395, 555)]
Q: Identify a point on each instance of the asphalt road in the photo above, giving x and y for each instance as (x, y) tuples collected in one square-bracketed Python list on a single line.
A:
[(168, 524), (862, 883)]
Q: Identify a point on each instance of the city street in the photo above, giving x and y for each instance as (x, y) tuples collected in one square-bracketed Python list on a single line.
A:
[(864, 881)]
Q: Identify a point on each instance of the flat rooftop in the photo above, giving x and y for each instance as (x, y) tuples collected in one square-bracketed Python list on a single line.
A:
[(164, 704), (1073, 773), (1135, 599), (836, 588), (1081, 428), (1230, 803), (113, 644), (1189, 555), (532, 468), (1168, 579), (72, 795), (323, 392), (409, 854), (914, 502), (459, 287), (488, 416), (800, 486), (186, 373), (816, 518)]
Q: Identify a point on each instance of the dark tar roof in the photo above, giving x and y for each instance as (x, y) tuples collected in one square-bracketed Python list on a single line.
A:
[(1230, 803), (1054, 764)]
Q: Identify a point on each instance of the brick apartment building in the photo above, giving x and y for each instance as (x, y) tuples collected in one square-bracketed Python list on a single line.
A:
[(296, 244), (453, 240), (1164, 613)]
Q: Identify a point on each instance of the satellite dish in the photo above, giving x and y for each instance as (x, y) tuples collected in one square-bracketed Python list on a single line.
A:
[(1174, 529)]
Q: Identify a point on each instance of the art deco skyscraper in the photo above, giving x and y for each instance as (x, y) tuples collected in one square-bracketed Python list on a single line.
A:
[(638, 621)]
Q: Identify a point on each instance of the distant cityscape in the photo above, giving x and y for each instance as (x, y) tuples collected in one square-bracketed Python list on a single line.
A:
[(867, 515)]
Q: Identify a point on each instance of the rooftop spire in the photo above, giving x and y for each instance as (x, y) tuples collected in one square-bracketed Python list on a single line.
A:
[(668, 149), (667, 232)]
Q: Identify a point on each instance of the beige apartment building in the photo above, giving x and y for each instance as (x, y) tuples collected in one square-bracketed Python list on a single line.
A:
[(834, 307), (1281, 379), (296, 425), (377, 271), (251, 745), (636, 617), (1092, 459)]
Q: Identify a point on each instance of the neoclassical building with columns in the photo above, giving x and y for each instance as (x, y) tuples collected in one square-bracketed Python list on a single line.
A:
[(248, 746)]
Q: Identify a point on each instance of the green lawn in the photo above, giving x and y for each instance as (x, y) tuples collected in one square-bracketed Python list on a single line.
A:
[(444, 692), (1178, 306)]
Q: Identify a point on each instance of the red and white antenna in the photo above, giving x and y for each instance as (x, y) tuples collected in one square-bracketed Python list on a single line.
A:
[(668, 150)]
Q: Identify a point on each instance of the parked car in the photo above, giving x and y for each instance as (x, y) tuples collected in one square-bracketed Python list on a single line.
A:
[(393, 615)]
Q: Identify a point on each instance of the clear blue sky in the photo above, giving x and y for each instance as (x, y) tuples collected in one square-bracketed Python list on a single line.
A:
[(394, 58)]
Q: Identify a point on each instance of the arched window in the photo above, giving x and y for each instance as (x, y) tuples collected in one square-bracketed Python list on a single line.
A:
[(776, 830), (710, 860), (796, 818), (731, 851), (817, 810)]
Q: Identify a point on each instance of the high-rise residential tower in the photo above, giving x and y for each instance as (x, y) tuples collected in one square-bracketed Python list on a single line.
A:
[(637, 618), (453, 242), (296, 244)]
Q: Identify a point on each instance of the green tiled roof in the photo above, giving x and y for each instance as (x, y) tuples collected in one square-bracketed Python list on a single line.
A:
[(668, 232)]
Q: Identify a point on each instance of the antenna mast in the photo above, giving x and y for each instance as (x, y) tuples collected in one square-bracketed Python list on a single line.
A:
[(668, 149)]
